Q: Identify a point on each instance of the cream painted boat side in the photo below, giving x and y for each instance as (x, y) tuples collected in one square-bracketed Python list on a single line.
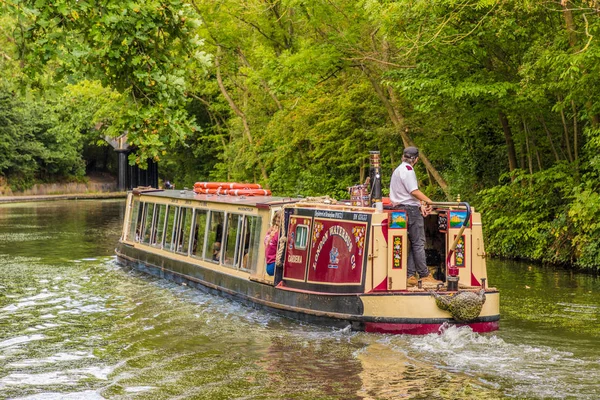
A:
[(199, 202), (419, 306)]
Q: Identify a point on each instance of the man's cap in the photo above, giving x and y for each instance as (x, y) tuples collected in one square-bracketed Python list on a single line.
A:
[(411, 152)]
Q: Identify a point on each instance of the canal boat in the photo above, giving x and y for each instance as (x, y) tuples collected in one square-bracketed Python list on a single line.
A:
[(339, 263)]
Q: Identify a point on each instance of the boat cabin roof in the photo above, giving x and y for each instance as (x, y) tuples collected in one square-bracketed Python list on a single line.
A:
[(253, 201)]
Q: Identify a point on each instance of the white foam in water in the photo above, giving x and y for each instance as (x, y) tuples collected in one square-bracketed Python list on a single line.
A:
[(85, 395), (43, 379), (58, 357), (98, 372), (68, 377), (71, 284), (26, 304), (20, 340), (44, 295), (138, 389), (522, 369)]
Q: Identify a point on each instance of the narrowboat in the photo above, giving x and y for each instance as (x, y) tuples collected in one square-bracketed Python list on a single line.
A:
[(339, 263)]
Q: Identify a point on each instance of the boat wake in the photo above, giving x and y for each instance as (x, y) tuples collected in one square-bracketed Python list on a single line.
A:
[(521, 370)]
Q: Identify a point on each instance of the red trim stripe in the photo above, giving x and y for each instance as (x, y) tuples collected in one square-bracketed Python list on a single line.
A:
[(424, 329)]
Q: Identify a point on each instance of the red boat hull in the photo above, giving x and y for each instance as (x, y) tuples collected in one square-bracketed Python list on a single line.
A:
[(424, 329)]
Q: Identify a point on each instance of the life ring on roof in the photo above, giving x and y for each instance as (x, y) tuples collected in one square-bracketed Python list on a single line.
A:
[(226, 185), (248, 192), (223, 190), (209, 191)]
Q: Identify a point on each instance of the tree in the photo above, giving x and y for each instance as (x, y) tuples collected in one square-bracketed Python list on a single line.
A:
[(144, 50)]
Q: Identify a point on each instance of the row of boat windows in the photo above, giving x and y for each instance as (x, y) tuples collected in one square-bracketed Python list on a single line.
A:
[(225, 238)]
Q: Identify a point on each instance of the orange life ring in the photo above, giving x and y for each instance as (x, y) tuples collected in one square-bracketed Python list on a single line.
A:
[(210, 185), (226, 185), (248, 192), (233, 192), (209, 191)]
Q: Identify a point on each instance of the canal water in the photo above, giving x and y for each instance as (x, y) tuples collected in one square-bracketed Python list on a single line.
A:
[(76, 325)]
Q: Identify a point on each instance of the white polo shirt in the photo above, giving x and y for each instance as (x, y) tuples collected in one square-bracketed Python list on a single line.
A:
[(403, 182)]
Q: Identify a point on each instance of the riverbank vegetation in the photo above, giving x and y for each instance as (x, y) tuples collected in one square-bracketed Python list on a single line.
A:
[(501, 96)]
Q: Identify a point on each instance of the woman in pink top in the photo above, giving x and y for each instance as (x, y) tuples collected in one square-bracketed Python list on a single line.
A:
[(271, 244)]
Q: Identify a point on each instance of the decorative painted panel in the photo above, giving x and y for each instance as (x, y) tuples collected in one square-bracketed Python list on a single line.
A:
[(397, 252), (398, 220), (459, 252), (457, 218), (338, 252)]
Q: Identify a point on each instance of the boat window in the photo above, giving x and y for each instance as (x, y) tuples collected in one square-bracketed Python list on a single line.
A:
[(252, 241), (133, 220), (199, 233), (160, 224), (184, 226), (231, 256), (301, 237), (139, 226), (215, 236), (149, 232), (170, 227)]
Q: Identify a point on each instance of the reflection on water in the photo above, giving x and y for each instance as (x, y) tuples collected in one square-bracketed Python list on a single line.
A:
[(75, 325)]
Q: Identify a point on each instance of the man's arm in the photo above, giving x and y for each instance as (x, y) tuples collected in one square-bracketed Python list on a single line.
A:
[(426, 206), (421, 196)]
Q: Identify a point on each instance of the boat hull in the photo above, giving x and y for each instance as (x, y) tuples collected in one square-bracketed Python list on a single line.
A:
[(394, 313)]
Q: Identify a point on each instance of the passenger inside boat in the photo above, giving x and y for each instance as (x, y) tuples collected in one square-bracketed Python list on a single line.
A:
[(216, 251), (215, 238), (271, 240), (246, 245)]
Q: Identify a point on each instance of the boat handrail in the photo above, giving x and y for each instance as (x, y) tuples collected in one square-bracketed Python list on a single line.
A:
[(452, 204)]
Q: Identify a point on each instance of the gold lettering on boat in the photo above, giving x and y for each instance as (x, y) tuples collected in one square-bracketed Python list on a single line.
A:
[(295, 258), (335, 230)]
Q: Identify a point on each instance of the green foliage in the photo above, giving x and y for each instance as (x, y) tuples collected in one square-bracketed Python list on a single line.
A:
[(145, 50), (584, 215), (317, 137), (32, 147), (544, 216), (501, 97)]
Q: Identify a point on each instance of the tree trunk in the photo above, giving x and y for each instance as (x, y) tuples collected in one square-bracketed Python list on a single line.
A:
[(549, 135), (566, 136), (262, 81), (575, 132), (510, 145), (237, 111), (398, 121), (534, 149), (569, 22), (529, 162)]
